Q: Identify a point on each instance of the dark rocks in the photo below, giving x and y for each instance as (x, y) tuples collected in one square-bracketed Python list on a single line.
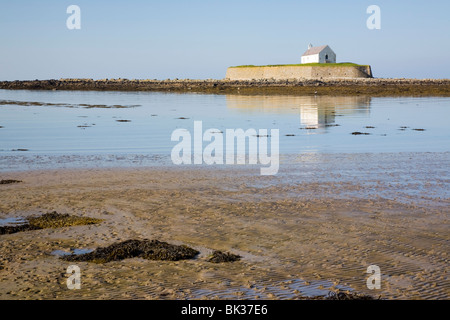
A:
[(9, 181), (49, 220), (18, 228), (372, 86), (345, 296), (357, 133), (65, 105), (219, 256)]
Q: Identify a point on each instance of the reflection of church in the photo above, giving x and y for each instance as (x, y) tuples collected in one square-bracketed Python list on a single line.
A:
[(315, 111)]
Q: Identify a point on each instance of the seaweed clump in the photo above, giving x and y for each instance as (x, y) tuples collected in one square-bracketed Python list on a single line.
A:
[(340, 295), (219, 256), (147, 249), (49, 220), (17, 228), (57, 220), (357, 133), (9, 181)]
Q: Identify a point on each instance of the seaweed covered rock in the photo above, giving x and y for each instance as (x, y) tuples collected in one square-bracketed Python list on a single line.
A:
[(15, 229), (49, 220), (340, 295), (357, 133), (57, 220), (219, 256), (9, 181), (147, 249)]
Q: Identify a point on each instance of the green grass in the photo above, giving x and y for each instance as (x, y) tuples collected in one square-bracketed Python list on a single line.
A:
[(341, 64)]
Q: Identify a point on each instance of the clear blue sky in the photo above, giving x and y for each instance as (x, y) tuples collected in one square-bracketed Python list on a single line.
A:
[(199, 39)]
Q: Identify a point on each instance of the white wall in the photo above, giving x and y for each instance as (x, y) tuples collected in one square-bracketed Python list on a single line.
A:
[(314, 58)]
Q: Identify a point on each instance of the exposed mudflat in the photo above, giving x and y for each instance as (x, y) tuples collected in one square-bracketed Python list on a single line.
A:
[(299, 234)]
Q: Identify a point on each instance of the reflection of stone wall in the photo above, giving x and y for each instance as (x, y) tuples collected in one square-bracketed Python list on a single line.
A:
[(298, 72), (313, 110), (290, 104)]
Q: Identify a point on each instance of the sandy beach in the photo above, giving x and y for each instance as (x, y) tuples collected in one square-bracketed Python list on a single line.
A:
[(299, 234)]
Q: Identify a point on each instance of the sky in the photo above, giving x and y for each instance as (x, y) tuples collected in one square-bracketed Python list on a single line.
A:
[(199, 39)]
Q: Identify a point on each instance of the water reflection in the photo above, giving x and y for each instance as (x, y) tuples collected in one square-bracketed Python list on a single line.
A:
[(93, 136), (314, 111)]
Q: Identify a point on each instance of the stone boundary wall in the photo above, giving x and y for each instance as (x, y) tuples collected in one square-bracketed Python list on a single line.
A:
[(298, 72)]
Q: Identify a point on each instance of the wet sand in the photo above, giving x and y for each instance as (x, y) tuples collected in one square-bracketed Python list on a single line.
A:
[(297, 236)]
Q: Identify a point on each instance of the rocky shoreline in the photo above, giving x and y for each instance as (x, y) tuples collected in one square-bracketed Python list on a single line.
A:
[(373, 86)]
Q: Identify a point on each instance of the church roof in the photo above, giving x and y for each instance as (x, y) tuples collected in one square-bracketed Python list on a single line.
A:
[(314, 50)]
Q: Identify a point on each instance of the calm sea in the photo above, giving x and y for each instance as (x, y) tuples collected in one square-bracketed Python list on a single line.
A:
[(104, 126)]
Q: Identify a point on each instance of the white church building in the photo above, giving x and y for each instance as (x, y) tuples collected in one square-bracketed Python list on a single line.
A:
[(321, 54)]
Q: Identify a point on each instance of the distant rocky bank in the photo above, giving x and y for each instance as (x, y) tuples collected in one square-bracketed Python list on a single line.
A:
[(370, 86)]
